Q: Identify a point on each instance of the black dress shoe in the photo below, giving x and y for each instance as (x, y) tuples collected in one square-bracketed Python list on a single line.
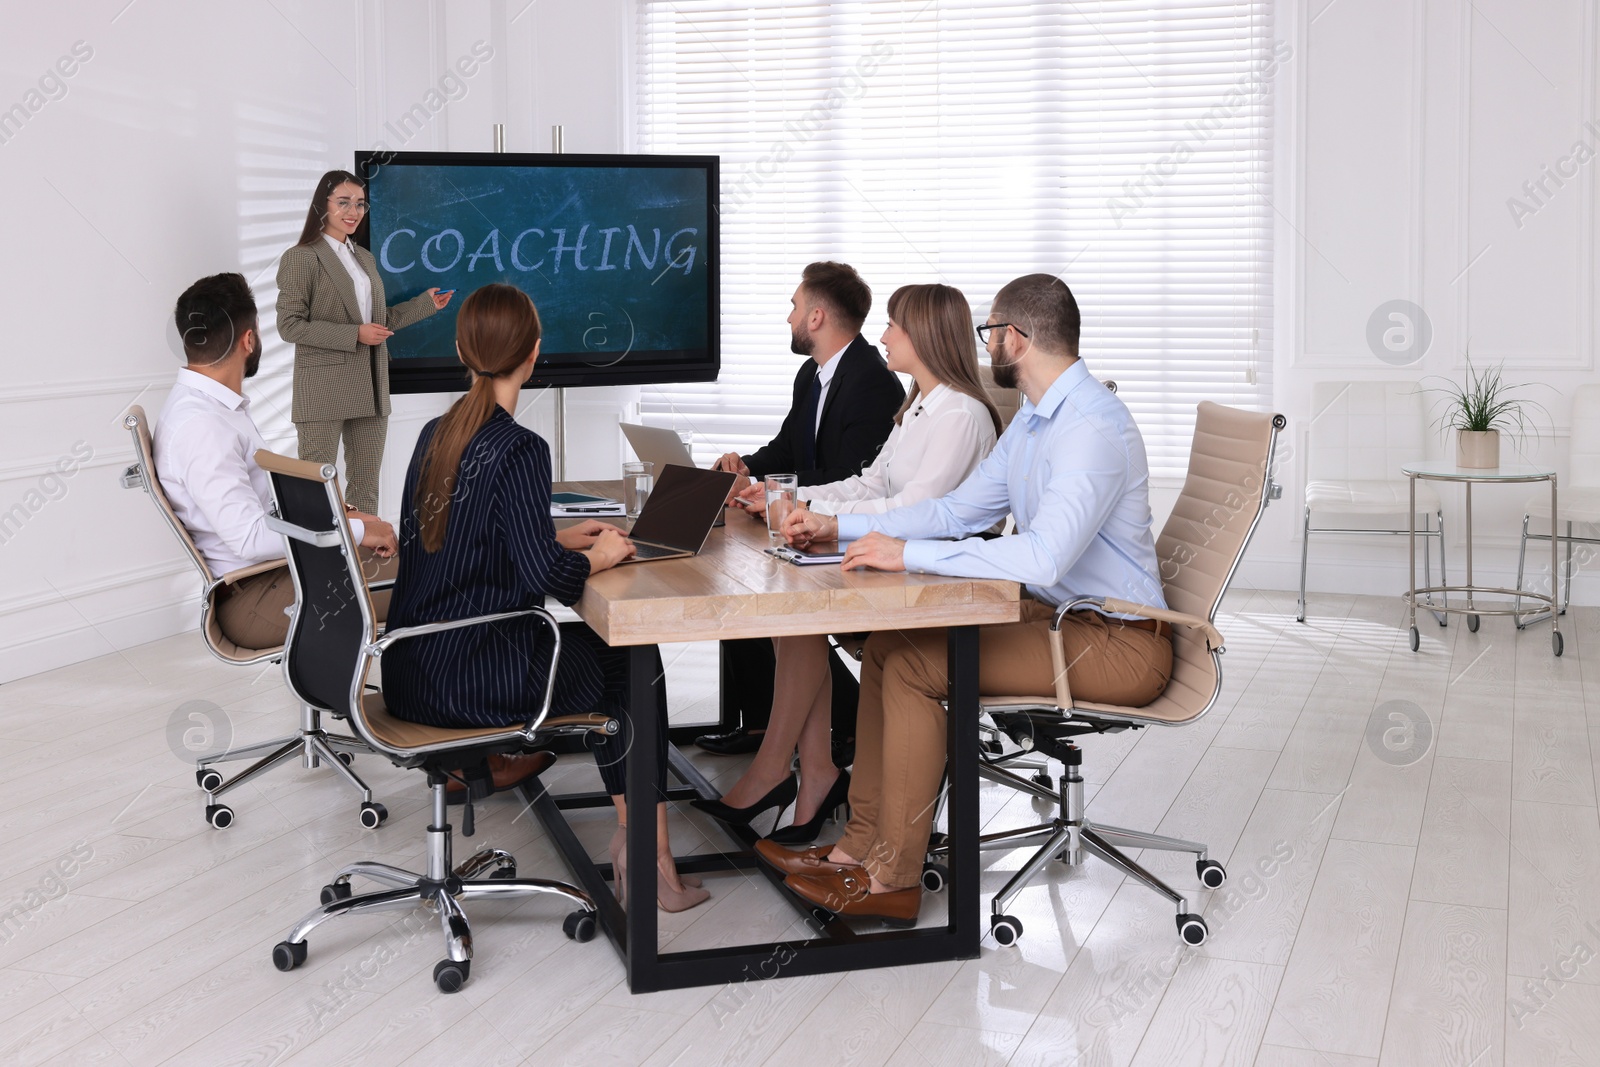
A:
[(779, 796), (803, 833), (733, 743)]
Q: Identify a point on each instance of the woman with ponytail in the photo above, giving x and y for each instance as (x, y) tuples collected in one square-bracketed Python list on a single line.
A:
[(475, 523)]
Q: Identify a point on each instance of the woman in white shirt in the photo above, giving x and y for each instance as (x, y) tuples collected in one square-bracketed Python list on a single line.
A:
[(333, 309), (943, 430)]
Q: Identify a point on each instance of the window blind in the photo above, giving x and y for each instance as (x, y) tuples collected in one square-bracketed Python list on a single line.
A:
[(1124, 146)]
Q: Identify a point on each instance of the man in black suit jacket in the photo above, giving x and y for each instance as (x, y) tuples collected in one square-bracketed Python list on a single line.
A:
[(845, 399)]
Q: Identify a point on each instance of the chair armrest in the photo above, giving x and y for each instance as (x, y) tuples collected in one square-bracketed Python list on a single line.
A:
[(252, 570), (378, 647), (315, 538), (531, 726), (381, 583), (1213, 636)]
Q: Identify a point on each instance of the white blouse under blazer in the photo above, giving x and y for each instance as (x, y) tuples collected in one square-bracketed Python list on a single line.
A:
[(939, 441)]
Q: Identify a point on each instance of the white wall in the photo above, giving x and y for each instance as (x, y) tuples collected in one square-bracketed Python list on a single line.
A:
[(186, 144), (1404, 126)]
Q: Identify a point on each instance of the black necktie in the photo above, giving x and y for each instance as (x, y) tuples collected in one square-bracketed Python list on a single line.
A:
[(808, 427)]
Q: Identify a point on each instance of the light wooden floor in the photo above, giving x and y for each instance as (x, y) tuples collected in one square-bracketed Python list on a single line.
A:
[(1414, 897)]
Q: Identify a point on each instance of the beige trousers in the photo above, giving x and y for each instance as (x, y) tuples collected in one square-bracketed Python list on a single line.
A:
[(900, 729), (363, 453), (250, 612)]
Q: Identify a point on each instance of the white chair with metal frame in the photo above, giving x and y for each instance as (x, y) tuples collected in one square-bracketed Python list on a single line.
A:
[(1360, 433), (1580, 496)]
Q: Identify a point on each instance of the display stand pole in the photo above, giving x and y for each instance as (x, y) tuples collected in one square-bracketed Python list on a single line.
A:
[(561, 392)]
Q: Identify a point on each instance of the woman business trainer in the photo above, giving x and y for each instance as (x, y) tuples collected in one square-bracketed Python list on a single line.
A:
[(331, 307), (945, 427), (476, 538)]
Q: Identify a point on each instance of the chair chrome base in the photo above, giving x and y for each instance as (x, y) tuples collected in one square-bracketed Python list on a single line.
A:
[(441, 890), (314, 745), (1070, 835)]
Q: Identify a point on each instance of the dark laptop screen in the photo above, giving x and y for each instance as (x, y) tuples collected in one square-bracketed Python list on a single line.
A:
[(682, 507)]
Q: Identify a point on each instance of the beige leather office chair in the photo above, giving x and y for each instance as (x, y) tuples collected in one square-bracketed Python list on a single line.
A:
[(1360, 434), (1579, 497), (313, 744), (1228, 485), (329, 665)]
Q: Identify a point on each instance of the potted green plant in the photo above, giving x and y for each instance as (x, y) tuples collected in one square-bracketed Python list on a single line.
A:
[(1479, 408)]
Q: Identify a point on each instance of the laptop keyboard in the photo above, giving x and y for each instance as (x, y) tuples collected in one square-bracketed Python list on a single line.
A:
[(654, 551)]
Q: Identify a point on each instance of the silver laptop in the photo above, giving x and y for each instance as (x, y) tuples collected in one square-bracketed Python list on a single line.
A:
[(663, 447), (658, 445)]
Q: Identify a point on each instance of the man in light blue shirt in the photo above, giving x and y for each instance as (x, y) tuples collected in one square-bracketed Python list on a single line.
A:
[(1071, 469)]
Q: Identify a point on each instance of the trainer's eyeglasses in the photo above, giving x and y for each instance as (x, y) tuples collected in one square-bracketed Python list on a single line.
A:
[(983, 331)]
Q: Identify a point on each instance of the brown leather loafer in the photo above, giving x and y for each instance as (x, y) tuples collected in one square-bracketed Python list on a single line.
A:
[(847, 892), (506, 772), (807, 861)]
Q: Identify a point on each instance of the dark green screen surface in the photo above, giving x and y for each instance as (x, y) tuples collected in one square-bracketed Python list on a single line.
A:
[(615, 258)]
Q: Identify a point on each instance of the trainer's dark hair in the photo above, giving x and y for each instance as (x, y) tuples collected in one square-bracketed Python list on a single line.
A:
[(837, 287), (1043, 307), (317, 214), (211, 316)]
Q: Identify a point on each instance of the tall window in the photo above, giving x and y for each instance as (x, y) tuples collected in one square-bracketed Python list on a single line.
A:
[(1123, 145)]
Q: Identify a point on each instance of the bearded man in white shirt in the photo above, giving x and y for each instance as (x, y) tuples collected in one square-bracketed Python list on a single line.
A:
[(205, 444)]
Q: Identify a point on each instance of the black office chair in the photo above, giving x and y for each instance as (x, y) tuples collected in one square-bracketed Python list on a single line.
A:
[(331, 647)]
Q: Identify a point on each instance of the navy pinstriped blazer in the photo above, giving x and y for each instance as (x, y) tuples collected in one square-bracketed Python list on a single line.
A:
[(499, 554)]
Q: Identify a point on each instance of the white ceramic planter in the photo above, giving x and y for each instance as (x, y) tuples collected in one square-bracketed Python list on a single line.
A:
[(1478, 449)]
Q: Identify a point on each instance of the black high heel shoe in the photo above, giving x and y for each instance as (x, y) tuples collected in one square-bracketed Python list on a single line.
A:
[(780, 797), (803, 833)]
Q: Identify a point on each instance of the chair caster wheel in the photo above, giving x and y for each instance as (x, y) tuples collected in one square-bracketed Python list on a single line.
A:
[(373, 814), (219, 815), (1193, 929), (579, 926), (1211, 873), (450, 976), (1040, 778), (509, 872), (935, 876), (1472, 623), (1557, 645), (346, 758), (1416, 639), (335, 891), (208, 779), (287, 955), (1006, 929), (938, 841)]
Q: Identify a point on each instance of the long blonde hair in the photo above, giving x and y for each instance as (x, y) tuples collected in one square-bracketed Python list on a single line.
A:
[(495, 330), (938, 320)]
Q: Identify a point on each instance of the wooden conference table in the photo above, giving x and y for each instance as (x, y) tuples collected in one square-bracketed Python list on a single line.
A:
[(733, 589)]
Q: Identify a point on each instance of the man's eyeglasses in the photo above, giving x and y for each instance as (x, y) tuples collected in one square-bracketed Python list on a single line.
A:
[(983, 331), (344, 203)]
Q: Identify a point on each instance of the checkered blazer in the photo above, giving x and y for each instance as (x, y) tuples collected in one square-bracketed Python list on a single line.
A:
[(334, 376)]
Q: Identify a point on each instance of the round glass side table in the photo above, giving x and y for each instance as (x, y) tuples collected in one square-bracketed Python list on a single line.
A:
[(1448, 471)]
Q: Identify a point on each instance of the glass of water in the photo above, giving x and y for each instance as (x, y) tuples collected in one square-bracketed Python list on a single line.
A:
[(782, 491), (638, 478)]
